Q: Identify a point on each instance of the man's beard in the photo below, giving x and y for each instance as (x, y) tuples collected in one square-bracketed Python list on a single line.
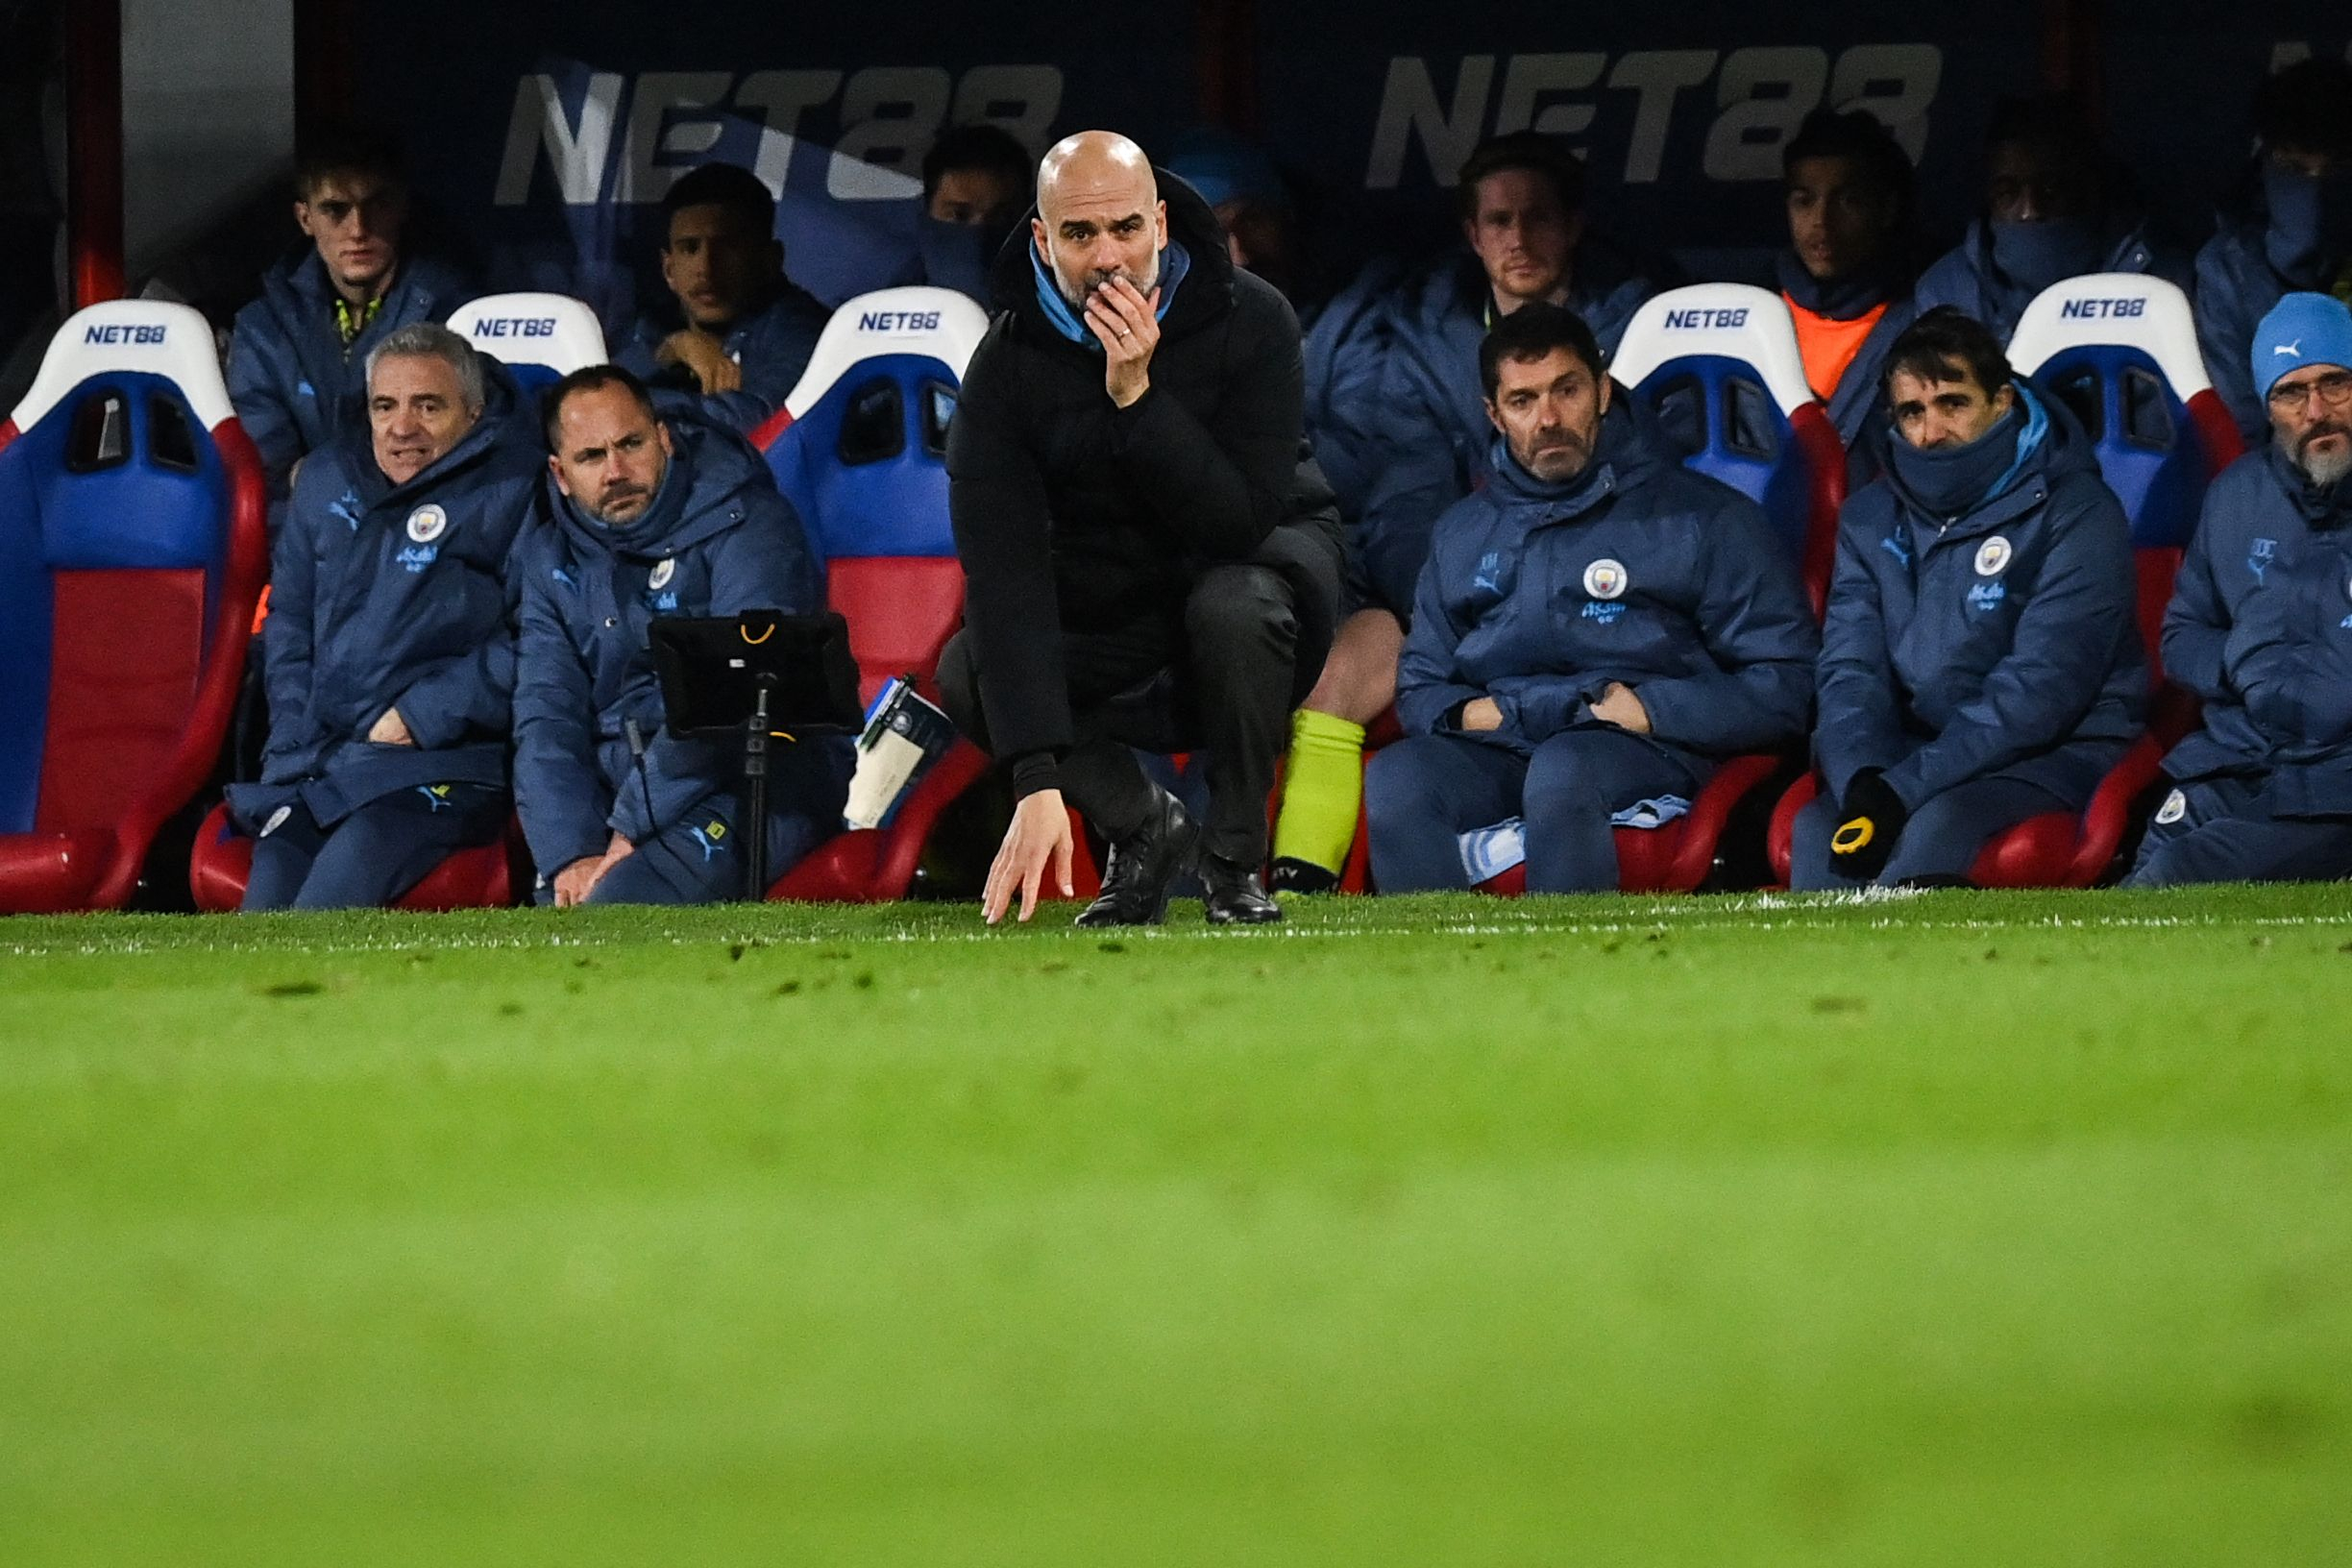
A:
[(2326, 468), (1555, 455), (1077, 296)]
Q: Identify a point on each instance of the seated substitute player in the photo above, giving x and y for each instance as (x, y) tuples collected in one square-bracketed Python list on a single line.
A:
[(2261, 628), (652, 517), (1522, 200), (296, 357), (1845, 275), (1153, 559), (1980, 658), (976, 182), (748, 330), (389, 645), (2297, 239), (2056, 205), (1593, 630)]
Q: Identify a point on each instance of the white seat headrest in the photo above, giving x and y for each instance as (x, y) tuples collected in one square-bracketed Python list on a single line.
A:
[(2114, 310), (554, 330), (936, 322), (173, 341), (1730, 320)]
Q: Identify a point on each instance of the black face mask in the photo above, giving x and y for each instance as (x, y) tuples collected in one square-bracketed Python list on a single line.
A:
[(2309, 232), (1947, 481), (2039, 254)]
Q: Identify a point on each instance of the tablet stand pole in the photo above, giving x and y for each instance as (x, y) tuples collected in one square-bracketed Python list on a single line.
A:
[(755, 773)]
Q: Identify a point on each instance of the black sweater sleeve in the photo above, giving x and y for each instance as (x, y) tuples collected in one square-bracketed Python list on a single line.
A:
[(1224, 485), (1003, 533)]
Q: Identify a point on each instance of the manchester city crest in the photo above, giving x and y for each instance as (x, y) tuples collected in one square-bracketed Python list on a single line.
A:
[(662, 570), (1993, 556), (427, 524), (1604, 578)]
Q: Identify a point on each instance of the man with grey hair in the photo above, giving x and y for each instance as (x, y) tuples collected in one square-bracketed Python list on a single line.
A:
[(389, 648), (2261, 628), (1152, 559)]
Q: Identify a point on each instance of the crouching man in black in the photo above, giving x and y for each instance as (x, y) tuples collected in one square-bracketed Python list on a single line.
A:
[(1152, 561)]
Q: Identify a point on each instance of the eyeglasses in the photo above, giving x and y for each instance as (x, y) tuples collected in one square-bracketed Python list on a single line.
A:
[(2334, 389)]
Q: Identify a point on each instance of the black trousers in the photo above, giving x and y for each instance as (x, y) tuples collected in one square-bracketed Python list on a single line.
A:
[(1222, 672)]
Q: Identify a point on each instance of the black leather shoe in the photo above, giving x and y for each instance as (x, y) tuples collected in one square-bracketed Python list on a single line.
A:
[(1135, 887), (1232, 895), (1301, 876)]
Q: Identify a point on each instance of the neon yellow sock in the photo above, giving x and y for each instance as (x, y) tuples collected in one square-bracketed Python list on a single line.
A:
[(1322, 790)]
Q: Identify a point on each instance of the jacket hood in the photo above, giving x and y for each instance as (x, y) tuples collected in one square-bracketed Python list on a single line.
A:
[(1207, 284), (704, 493), (2051, 444)]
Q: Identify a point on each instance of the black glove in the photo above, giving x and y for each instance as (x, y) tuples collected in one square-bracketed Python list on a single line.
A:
[(1868, 823)]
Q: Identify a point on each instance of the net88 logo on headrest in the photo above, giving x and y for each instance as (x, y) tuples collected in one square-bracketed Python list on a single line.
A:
[(144, 334)]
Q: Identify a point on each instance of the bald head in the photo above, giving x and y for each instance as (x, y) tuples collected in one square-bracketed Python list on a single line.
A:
[(1099, 215), (1091, 165)]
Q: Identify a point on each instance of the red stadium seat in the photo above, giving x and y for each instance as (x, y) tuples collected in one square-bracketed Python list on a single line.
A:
[(132, 545), (483, 877), (1679, 856), (860, 449)]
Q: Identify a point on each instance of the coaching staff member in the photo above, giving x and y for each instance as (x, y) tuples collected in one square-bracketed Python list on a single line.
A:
[(1152, 561)]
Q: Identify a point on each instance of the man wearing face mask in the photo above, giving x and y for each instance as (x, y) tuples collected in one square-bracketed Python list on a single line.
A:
[(1980, 658), (389, 646), (2261, 628), (1152, 560), (2299, 236), (1593, 630), (2053, 210), (652, 517), (975, 181), (743, 333), (1845, 275)]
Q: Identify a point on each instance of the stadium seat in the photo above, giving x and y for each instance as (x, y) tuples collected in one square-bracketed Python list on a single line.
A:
[(540, 338), (1719, 362), (478, 878), (132, 545), (860, 449), (2120, 351)]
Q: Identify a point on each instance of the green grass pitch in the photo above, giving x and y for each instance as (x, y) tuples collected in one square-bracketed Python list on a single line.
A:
[(1959, 1228)]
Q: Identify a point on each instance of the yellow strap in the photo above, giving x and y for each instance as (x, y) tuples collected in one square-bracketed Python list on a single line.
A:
[(1853, 836), (744, 632)]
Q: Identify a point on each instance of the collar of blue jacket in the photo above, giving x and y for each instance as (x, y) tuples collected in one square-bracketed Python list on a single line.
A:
[(1174, 262), (1948, 482)]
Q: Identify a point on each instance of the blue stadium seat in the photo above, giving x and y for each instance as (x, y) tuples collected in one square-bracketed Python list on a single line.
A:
[(860, 448), (540, 338), (132, 546), (1719, 363), (2120, 351)]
